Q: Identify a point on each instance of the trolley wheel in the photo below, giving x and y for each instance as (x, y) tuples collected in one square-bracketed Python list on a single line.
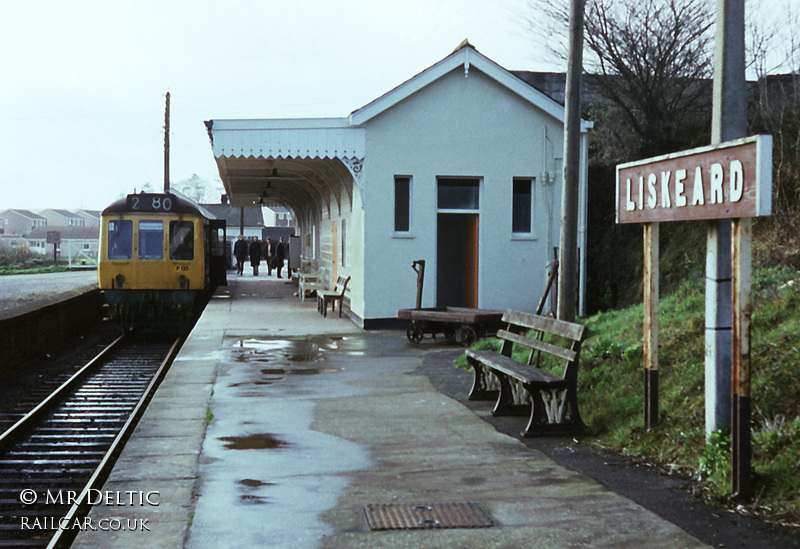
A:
[(467, 336), (414, 333)]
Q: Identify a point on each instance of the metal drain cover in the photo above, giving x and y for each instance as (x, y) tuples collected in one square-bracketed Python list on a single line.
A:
[(402, 516)]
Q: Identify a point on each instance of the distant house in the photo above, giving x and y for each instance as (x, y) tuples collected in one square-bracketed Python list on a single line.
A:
[(248, 221), (12, 242), (22, 222), (79, 244), (91, 217), (62, 218), (277, 216)]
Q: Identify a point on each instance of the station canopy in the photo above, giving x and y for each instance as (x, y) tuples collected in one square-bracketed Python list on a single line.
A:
[(307, 165)]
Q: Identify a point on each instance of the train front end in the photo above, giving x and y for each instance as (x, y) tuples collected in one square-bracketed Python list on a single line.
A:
[(153, 264)]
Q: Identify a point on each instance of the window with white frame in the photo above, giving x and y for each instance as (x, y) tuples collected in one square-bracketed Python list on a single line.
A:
[(522, 206), (402, 204)]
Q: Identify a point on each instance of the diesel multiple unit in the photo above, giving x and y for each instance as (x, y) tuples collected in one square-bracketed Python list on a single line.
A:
[(160, 254)]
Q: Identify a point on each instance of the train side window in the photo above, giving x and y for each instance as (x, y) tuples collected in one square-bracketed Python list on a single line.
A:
[(181, 240), (151, 239), (120, 239)]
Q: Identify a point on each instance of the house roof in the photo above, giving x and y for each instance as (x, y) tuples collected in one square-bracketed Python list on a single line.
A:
[(24, 213), (64, 213), (468, 57), (253, 216), (93, 215), (67, 232)]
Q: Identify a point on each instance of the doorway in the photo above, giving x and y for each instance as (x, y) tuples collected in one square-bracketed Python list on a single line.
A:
[(457, 260)]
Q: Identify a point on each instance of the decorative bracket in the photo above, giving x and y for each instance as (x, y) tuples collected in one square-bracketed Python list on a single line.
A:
[(355, 166)]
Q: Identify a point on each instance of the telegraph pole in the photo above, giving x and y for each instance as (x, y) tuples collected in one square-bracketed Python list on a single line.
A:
[(568, 264), (728, 305), (166, 146)]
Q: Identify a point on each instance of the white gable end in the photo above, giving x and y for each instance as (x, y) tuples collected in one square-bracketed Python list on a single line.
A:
[(468, 59)]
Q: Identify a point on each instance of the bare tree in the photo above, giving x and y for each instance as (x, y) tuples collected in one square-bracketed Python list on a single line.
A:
[(775, 108), (772, 41), (194, 187), (648, 66)]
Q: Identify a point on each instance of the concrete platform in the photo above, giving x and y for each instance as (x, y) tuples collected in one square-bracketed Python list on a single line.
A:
[(276, 426)]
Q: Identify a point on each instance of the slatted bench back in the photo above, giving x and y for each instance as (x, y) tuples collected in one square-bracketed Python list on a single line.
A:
[(518, 326)]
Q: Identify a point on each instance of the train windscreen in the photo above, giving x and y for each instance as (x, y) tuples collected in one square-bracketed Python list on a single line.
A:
[(151, 239), (120, 239), (181, 240)]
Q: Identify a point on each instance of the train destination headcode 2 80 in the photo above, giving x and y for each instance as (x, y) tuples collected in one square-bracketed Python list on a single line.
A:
[(148, 202)]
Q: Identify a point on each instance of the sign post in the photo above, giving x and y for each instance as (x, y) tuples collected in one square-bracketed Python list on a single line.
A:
[(54, 238), (650, 335), (741, 447), (731, 180)]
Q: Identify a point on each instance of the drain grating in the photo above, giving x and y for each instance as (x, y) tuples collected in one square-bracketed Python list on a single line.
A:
[(426, 515)]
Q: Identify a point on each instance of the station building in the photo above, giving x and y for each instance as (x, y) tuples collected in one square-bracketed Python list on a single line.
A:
[(460, 166)]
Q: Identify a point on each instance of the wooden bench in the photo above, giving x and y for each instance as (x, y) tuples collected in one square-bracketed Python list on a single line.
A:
[(554, 402), (332, 296), (310, 281)]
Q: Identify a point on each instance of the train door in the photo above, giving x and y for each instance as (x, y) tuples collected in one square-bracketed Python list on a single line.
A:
[(218, 264)]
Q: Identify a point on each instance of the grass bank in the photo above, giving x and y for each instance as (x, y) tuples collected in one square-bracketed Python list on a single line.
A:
[(612, 393)]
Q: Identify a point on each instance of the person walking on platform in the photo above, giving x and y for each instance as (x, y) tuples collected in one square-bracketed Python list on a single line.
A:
[(240, 253), (269, 255), (255, 254), (280, 253)]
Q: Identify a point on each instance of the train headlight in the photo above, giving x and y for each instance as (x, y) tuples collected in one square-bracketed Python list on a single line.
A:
[(119, 280)]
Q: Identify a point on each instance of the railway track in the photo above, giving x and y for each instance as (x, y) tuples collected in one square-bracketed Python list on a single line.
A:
[(54, 459)]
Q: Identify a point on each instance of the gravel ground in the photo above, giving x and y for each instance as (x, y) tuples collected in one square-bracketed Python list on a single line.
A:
[(667, 496)]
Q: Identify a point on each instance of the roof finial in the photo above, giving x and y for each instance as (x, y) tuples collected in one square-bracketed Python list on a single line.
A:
[(464, 44)]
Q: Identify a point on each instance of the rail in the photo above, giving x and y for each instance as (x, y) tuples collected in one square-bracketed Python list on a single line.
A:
[(65, 438)]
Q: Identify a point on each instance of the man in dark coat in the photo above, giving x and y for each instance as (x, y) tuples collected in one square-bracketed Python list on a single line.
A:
[(255, 254), (240, 253), (269, 255), (280, 253)]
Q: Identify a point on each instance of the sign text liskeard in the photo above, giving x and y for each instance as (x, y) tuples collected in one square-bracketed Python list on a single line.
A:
[(729, 180)]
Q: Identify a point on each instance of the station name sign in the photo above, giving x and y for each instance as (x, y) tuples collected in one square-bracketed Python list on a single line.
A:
[(728, 180)]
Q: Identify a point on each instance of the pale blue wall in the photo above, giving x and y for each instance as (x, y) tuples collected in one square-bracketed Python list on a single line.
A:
[(459, 126)]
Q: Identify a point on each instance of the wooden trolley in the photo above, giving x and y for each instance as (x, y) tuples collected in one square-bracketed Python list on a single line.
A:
[(459, 324)]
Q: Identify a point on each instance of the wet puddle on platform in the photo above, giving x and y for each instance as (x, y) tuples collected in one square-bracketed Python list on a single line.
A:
[(252, 483), (272, 350), (263, 441), (282, 358), (248, 486), (263, 462)]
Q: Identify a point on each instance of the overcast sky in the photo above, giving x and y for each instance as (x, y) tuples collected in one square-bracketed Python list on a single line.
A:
[(84, 81)]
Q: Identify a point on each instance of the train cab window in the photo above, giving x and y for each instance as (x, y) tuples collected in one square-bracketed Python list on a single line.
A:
[(120, 239), (151, 239), (181, 240)]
